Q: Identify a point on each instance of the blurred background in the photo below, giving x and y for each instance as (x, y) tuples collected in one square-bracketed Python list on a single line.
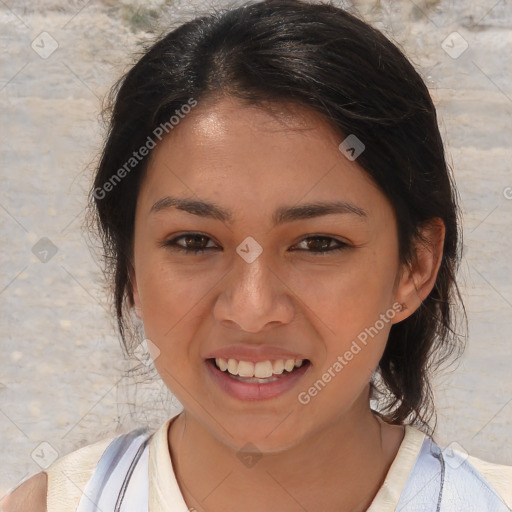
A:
[(64, 381)]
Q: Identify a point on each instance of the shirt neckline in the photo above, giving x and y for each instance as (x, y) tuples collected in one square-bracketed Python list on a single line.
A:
[(165, 494), (388, 496)]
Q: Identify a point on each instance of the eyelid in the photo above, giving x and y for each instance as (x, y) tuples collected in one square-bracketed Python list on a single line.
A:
[(335, 238)]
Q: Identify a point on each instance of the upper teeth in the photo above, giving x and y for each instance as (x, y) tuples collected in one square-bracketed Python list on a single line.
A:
[(260, 370)]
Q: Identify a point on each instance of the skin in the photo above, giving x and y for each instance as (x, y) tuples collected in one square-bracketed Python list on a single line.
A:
[(28, 497), (333, 453)]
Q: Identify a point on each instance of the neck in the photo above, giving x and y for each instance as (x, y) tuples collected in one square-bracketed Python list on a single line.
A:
[(341, 468)]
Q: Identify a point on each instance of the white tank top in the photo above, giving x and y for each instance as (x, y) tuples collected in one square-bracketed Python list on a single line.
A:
[(120, 482), (126, 473), (439, 481)]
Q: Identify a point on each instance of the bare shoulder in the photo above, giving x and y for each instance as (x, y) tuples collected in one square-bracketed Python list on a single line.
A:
[(30, 496)]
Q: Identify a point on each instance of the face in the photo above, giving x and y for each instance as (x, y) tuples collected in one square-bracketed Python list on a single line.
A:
[(298, 261)]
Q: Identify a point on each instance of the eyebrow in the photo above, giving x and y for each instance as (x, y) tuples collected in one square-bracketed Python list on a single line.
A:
[(281, 215)]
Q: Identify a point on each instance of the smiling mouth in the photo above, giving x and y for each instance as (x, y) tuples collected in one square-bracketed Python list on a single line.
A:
[(263, 372)]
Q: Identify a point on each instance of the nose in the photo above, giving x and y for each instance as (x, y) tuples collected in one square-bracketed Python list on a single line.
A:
[(254, 297)]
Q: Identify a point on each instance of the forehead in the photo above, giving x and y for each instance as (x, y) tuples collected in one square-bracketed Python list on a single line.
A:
[(215, 116), (229, 151)]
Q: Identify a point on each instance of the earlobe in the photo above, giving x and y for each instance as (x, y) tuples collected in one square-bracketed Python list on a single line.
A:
[(419, 277)]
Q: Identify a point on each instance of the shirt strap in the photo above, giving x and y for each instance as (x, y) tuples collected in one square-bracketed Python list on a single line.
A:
[(109, 482)]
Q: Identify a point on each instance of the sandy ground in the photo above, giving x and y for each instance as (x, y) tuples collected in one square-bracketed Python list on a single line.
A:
[(61, 371)]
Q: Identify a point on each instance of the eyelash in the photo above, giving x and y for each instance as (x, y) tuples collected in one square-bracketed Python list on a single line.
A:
[(171, 244)]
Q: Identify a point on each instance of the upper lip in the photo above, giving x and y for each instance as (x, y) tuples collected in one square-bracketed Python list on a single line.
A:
[(254, 354)]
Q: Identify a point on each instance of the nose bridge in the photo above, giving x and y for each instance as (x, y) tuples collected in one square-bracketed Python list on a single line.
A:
[(252, 279), (251, 266), (253, 296)]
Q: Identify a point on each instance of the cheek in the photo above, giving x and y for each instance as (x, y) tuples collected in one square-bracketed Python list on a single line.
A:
[(355, 328), (175, 298), (349, 302), (349, 297), (167, 299), (172, 306)]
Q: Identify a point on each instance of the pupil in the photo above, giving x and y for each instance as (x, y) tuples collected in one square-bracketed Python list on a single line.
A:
[(323, 245), (195, 238)]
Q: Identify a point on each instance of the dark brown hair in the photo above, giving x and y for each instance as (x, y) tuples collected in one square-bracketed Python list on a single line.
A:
[(323, 58)]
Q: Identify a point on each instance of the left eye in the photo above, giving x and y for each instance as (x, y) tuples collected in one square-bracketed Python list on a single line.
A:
[(196, 243), (322, 244)]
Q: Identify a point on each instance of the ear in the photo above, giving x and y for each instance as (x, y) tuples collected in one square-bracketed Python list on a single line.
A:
[(418, 278), (135, 291)]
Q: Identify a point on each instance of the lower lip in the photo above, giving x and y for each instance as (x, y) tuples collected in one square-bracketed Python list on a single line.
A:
[(255, 391)]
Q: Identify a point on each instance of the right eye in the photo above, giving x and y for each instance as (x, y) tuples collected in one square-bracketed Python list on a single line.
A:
[(193, 243)]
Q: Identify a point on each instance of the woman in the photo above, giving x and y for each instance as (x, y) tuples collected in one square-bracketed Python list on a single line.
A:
[(276, 208)]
